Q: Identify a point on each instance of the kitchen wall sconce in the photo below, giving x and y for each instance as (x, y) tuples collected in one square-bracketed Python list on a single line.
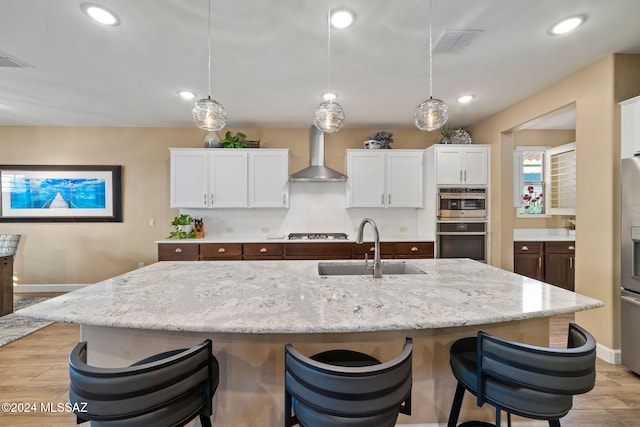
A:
[(433, 113), (329, 115), (209, 114)]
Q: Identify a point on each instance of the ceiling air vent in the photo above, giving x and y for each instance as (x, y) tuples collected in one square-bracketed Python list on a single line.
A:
[(8, 61), (454, 41)]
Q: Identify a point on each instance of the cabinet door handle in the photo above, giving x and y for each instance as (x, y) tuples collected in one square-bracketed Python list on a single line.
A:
[(382, 199), (263, 250), (461, 175), (284, 200), (414, 249), (205, 199), (212, 198), (539, 263), (178, 250), (524, 248), (222, 250), (572, 248), (571, 263), (389, 198), (465, 176)]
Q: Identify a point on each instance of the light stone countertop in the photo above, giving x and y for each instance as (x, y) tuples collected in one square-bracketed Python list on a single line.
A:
[(266, 297), (351, 238), (542, 235)]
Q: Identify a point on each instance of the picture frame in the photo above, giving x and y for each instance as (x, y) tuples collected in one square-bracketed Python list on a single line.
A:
[(60, 193)]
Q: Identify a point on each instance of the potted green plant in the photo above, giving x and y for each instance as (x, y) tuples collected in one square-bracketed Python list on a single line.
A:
[(183, 225), (233, 141), (447, 133)]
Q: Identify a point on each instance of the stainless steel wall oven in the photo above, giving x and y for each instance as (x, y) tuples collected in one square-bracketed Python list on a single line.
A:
[(462, 240), (461, 203)]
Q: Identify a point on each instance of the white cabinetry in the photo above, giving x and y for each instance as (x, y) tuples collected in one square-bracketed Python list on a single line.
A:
[(385, 178), (229, 178), (269, 178), (466, 165)]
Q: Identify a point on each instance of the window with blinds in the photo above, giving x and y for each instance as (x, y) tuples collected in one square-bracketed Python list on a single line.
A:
[(561, 180)]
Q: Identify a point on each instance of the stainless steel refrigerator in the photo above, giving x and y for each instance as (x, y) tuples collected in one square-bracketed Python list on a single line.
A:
[(630, 264)]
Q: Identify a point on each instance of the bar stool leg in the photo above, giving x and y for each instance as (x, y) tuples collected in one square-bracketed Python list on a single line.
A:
[(455, 407)]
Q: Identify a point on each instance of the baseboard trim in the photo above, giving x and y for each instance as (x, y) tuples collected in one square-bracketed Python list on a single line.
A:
[(609, 355), (27, 289)]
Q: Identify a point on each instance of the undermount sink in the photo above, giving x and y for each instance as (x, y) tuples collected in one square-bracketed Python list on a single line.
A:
[(359, 268)]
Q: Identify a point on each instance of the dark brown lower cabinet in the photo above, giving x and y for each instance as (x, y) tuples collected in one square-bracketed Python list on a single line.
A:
[(559, 261), (291, 251), (528, 259), (551, 262)]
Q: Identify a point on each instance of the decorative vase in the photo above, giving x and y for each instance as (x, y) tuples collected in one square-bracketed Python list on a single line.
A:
[(186, 228), (9, 244), (212, 140), (445, 140)]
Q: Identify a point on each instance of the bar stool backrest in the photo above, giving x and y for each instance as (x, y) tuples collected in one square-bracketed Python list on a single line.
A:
[(167, 389), (361, 394), (567, 371)]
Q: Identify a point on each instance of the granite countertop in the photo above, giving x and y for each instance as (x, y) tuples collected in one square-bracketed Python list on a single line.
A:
[(542, 235), (290, 297), (283, 239)]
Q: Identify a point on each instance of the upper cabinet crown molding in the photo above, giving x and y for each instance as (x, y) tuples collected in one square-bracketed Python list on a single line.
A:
[(229, 178), (385, 178)]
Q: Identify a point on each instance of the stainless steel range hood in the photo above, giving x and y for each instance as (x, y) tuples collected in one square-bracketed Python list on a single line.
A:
[(317, 172)]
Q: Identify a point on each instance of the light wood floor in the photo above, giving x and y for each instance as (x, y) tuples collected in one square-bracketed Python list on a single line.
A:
[(34, 370)]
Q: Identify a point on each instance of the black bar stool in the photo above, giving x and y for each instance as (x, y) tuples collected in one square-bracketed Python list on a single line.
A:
[(167, 389), (533, 382), (340, 388)]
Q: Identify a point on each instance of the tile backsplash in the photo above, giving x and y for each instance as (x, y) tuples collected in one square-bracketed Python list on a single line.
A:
[(313, 207)]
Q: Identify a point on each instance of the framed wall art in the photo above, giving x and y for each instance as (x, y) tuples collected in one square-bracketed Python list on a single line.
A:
[(41, 193)]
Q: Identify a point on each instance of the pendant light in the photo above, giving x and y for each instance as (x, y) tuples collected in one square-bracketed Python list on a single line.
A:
[(329, 115), (209, 114), (433, 113)]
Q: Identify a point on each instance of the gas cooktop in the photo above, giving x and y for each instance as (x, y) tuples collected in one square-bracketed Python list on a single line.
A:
[(317, 236)]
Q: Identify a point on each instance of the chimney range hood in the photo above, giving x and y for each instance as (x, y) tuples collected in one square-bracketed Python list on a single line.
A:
[(317, 171)]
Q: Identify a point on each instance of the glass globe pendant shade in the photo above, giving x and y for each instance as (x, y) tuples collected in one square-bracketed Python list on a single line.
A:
[(430, 115), (329, 117), (209, 115)]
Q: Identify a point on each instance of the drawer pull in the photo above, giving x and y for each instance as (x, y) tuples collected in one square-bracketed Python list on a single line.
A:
[(414, 249), (222, 250), (372, 249), (524, 248), (263, 250), (572, 248), (178, 250)]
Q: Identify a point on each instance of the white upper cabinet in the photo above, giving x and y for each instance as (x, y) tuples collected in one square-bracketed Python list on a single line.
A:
[(269, 178), (385, 178), (189, 174), (462, 165), (229, 178)]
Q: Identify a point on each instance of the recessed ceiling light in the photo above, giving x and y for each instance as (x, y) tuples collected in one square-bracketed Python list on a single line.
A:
[(465, 98), (187, 94), (341, 18), (329, 96), (567, 25), (100, 14)]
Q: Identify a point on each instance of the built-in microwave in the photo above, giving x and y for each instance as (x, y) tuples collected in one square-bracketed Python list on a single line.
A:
[(456, 203)]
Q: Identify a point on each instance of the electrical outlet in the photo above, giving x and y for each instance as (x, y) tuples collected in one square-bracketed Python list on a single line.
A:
[(228, 229), (264, 230), (152, 223), (403, 229)]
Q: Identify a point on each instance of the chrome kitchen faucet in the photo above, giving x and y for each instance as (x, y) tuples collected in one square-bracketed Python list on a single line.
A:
[(377, 264)]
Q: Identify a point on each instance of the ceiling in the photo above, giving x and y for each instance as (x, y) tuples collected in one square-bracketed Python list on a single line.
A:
[(270, 58)]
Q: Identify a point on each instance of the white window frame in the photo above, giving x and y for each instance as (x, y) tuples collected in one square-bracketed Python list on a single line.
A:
[(518, 181), (569, 178)]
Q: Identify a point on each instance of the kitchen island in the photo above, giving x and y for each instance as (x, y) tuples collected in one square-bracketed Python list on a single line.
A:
[(251, 309)]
